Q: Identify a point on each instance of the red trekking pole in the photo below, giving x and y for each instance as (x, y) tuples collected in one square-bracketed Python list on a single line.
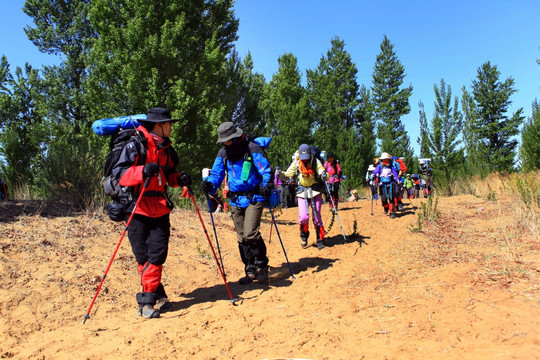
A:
[(210, 243), (87, 316)]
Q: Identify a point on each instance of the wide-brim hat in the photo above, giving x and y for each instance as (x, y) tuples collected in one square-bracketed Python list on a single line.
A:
[(304, 152), (228, 131), (159, 114)]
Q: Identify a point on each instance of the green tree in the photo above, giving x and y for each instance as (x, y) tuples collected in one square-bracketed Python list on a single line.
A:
[(19, 123), (476, 152), (442, 136), (168, 53), (493, 128), (333, 95), (69, 166), (391, 101), (530, 144), (362, 153), (423, 139), (286, 111), (244, 94)]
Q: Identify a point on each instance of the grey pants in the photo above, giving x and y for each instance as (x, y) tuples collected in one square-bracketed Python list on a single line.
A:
[(247, 222)]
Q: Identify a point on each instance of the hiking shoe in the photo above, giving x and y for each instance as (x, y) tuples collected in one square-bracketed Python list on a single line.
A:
[(385, 211), (148, 312), (400, 207), (303, 242), (262, 275), (392, 215), (248, 279), (320, 244), (163, 304)]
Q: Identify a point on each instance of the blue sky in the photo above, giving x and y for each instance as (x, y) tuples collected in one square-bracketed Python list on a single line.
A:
[(432, 39)]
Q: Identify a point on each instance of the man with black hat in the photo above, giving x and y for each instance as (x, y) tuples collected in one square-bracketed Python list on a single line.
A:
[(249, 179), (149, 229)]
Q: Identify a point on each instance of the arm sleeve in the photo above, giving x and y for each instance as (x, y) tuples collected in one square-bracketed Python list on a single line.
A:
[(217, 174)]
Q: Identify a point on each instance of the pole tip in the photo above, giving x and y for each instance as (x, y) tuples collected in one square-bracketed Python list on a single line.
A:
[(86, 317)]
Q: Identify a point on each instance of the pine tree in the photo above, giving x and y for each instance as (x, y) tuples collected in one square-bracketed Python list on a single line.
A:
[(530, 143), (286, 112), (442, 136), (391, 101), (493, 128), (333, 95)]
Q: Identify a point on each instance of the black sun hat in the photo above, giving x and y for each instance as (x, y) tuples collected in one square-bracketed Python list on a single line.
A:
[(159, 114)]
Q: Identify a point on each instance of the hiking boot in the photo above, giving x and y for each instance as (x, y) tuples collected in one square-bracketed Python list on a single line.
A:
[(385, 211), (262, 275), (303, 242), (320, 244), (163, 304), (392, 215), (400, 207), (248, 279), (147, 311)]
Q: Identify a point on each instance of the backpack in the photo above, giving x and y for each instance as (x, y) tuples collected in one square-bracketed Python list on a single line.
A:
[(122, 197), (402, 165)]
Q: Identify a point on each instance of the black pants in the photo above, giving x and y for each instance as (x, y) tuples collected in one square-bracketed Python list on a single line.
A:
[(149, 238)]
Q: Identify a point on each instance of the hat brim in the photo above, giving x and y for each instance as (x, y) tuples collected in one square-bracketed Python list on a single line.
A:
[(223, 139), (305, 156)]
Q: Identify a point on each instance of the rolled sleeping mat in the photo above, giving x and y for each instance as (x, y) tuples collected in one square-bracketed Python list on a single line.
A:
[(106, 127)]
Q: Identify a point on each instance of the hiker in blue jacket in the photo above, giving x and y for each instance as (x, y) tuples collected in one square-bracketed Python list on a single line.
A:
[(249, 179), (388, 180)]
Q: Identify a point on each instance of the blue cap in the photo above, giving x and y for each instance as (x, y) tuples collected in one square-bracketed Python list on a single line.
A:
[(305, 152)]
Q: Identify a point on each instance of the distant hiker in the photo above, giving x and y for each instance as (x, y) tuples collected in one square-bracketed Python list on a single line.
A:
[(282, 188), (332, 168), (387, 177), (149, 229), (308, 170), (408, 184), (372, 183), (3, 190), (399, 164), (416, 181), (353, 195), (249, 179)]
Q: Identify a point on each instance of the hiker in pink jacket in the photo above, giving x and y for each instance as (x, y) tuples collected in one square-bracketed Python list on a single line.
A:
[(331, 165)]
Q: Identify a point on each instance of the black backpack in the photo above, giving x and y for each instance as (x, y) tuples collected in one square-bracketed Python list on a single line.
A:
[(122, 197), (319, 186)]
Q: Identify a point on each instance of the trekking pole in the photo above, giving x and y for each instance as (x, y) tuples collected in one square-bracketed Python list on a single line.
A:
[(283, 247), (371, 202), (215, 232), (270, 236), (335, 209), (211, 246), (87, 316)]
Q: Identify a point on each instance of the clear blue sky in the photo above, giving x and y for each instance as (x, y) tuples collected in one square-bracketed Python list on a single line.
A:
[(432, 39)]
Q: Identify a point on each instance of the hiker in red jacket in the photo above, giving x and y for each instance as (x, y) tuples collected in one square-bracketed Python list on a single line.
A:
[(149, 229)]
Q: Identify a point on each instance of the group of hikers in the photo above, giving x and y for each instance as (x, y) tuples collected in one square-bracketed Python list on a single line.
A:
[(243, 169)]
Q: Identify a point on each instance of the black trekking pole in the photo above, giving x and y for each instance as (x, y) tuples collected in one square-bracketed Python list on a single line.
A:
[(336, 211), (215, 232), (371, 201), (211, 246), (87, 316), (283, 247)]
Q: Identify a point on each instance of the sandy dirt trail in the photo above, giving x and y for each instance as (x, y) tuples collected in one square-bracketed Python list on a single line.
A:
[(458, 289)]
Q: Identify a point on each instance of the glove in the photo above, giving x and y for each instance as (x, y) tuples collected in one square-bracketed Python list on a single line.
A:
[(324, 176), (207, 186), (184, 179), (266, 191), (150, 169)]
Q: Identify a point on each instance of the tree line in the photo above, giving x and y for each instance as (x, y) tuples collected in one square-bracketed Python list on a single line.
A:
[(122, 57)]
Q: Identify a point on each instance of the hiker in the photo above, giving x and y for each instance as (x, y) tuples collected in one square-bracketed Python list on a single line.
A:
[(399, 164), (282, 188), (408, 184), (308, 170), (3, 190), (249, 180), (353, 195), (387, 177), (416, 181), (332, 168), (372, 183), (149, 229)]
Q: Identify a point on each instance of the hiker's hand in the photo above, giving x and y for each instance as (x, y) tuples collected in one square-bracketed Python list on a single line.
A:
[(150, 169), (207, 186), (266, 191), (184, 179), (324, 176)]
